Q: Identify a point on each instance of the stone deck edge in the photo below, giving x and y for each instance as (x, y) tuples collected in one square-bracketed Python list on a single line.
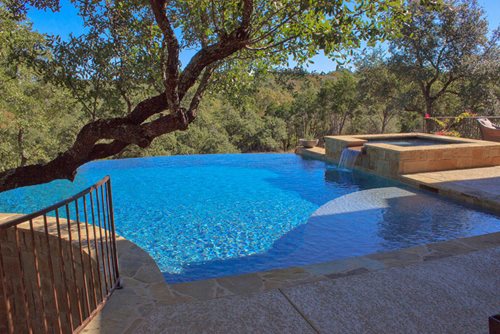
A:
[(317, 153), (469, 196), (280, 278)]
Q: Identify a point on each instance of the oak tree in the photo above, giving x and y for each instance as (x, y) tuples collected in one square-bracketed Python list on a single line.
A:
[(436, 48), (132, 44)]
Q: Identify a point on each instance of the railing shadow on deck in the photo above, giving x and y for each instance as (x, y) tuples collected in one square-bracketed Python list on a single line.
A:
[(58, 266)]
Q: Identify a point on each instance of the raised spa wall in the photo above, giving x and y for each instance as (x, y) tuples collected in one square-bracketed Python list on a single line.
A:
[(392, 160)]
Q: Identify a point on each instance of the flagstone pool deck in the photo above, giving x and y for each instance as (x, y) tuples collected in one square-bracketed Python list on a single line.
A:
[(478, 186), (451, 295)]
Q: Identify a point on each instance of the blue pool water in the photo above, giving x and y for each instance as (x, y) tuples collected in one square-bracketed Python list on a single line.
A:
[(208, 216)]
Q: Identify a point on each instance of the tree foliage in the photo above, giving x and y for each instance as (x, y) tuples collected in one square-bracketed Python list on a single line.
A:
[(439, 49), (130, 44), (34, 123)]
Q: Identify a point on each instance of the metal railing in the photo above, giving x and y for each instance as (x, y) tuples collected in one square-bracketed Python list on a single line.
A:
[(58, 266), (467, 127)]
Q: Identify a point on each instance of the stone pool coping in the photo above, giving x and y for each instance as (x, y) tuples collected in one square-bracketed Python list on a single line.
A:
[(476, 186), (317, 153), (145, 288)]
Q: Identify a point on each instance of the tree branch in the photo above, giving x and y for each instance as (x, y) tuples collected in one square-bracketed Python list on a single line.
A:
[(195, 101), (234, 42), (443, 89), (271, 46), (171, 75)]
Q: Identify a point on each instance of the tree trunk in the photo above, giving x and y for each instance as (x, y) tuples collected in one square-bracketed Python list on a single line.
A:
[(342, 123), (334, 125), (429, 105), (385, 120), (20, 143)]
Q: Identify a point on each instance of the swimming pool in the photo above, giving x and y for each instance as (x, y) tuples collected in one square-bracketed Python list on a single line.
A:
[(206, 216)]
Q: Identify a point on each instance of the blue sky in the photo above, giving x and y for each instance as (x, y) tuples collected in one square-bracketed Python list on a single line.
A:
[(66, 21)]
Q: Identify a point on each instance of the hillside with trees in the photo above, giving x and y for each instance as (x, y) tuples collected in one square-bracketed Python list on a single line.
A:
[(118, 92)]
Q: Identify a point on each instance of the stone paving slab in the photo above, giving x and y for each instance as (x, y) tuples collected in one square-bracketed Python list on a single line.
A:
[(143, 286), (8, 216), (267, 312), (247, 283), (263, 281), (313, 153), (455, 295), (452, 295), (478, 186)]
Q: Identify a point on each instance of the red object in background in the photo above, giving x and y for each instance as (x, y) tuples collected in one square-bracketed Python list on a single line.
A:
[(427, 116)]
